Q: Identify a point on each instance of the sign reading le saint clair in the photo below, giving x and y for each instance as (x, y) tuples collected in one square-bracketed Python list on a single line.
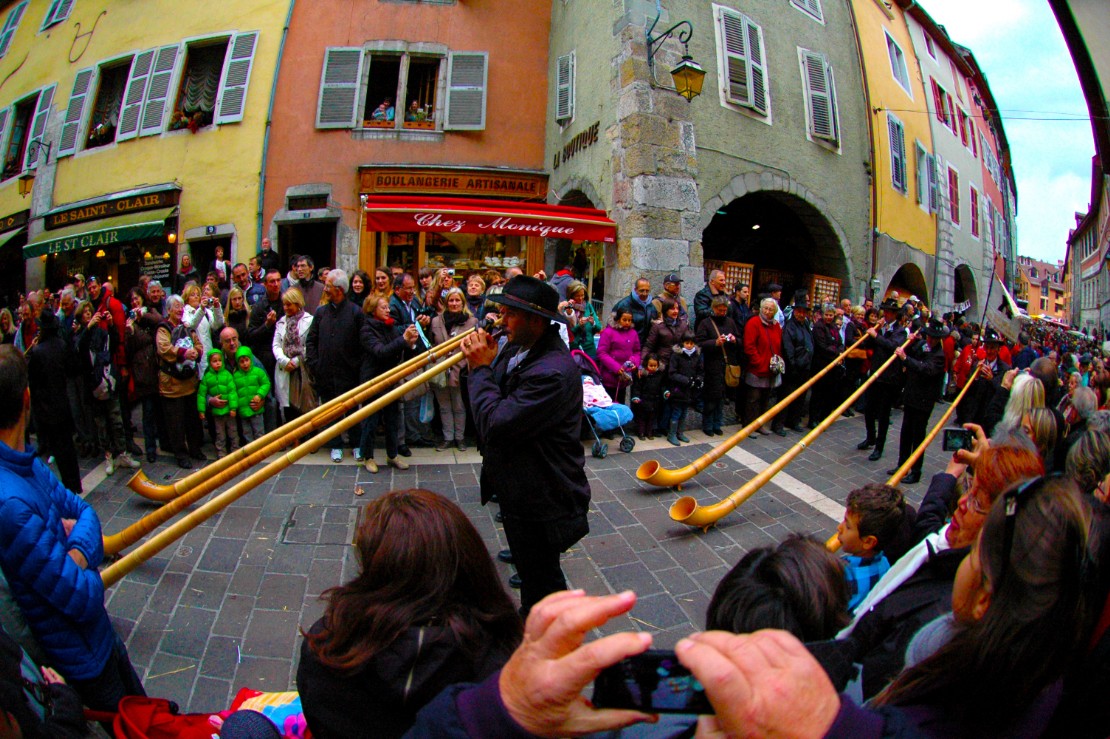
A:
[(107, 208)]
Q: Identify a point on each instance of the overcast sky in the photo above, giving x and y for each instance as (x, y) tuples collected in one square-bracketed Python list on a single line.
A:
[(1019, 46)]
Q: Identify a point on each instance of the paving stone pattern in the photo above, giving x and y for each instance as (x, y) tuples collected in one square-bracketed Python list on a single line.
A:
[(222, 608)]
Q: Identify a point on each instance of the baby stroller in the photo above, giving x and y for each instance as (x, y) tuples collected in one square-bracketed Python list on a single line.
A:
[(601, 413)]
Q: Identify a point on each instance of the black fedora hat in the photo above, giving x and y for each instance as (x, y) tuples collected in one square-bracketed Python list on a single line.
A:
[(801, 302), (936, 329), (531, 295), (990, 336), (890, 304)]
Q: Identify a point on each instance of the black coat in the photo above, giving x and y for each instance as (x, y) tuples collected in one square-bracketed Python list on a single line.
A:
[(383, 347), (142, 354), (260, 336), (976, 404), (827, 344), (661, 341), (333, 349), (47, 363), (648, 389), (797, 348), (684, 375), (529, 425), (884, 345), (713, 358), (924, 376)]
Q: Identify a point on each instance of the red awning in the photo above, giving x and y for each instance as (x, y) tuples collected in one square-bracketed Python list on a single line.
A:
[(458, 215)]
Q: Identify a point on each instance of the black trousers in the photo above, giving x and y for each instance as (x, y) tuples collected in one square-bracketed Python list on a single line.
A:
[(880, 399), (59, 441), (792, 416), (183, 424), (915, 423), (536, 546)]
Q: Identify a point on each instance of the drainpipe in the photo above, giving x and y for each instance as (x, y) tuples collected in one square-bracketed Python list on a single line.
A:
[(873, 231), (270, 121)]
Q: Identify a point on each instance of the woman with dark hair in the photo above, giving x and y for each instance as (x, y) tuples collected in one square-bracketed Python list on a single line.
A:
[(1022, 613), (797, 586), (426, 610), (720, 341), (361, 285), (142, 360), (666, 333)]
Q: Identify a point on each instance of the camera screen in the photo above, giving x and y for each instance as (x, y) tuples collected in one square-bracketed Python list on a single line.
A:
[(654, 682)]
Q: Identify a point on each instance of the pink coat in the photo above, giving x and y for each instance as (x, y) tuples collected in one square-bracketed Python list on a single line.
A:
[(616, 347)]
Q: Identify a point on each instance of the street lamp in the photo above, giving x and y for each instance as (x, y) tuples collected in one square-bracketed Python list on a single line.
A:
[(688, 75), (27, 176)]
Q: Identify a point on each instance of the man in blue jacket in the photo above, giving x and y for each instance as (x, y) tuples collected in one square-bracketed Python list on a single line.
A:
[(50, 546), (527, 405)]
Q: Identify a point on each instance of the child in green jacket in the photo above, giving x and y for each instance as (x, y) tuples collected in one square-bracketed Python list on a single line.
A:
[(250, 381), (218, 384)]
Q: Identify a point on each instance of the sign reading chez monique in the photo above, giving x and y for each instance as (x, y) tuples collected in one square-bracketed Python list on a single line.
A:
[(107, 208)]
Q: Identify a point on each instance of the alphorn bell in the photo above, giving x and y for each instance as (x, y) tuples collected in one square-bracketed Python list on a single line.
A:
[(653, 473), (320, 417), (833, 543), (686, 509), (116, 571)]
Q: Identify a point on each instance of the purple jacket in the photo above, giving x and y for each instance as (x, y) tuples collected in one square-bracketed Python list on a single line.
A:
[(616, 347)]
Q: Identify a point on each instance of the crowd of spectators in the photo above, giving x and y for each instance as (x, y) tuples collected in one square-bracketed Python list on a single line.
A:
[(982, 612)]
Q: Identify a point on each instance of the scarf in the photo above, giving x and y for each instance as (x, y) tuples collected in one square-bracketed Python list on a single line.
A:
[(451, 320), (388, 320), (292, 343), (643, 303)]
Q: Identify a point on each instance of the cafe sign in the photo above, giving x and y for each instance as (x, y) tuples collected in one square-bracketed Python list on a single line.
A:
[(107, 208), (15, 220)]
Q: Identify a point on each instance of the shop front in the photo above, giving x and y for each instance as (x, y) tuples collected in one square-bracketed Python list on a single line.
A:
[(13, 235), (467, 220), (116, 237)]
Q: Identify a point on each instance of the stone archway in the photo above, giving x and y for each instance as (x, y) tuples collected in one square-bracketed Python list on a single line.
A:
[(908, 280), (965, 292), (588, 260)]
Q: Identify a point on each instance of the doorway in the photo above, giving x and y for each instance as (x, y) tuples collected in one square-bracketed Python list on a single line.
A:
[(315, 239)]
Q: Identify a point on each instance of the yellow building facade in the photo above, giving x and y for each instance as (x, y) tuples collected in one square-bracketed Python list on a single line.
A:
[(904, 230), (130, 115)]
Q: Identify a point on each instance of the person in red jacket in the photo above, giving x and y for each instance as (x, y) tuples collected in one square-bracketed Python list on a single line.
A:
[(762, 342)]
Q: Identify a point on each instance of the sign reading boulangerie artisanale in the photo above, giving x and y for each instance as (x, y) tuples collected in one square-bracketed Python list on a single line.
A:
[(447, 181)]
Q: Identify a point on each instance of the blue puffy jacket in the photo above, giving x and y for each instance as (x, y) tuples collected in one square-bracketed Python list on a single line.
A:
[(63, 603)]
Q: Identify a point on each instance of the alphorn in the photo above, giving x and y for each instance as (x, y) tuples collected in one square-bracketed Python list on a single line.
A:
[(833, 542), (116, 571), (319, 417), (686, 509), (653, 473)]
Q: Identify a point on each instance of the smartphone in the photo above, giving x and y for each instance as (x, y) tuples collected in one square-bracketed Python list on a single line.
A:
[(957, 438), (652, 682)]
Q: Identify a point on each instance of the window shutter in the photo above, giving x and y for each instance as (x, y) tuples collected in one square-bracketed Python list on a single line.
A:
[(758, 68), (897, 154), (158, 90), (938, 101), (921, 161), (973, 202), (950, 113), (75, 111), (38, 125), (466, 91), (5, 118), (59, 10), (11, 23), (339, 85), (132, 108), (237, 74), (822, 122), (953, 196), (737, 76), (564, 88), (934, 194)]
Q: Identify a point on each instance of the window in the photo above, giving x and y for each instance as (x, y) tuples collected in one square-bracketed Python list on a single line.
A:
[(939, 107), (921, 159), (57, 12), (564, 88), (104, 119), (809, 7), (897, 134), (964, 122), (415, 81), (820, 92), (929, 46), (21, 125), (1044, 303), (741, 59), (954, 196), (973, 203), (11, 23), (898, 64)]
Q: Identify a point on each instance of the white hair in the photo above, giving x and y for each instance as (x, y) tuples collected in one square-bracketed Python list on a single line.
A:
[(768, 301), (339, 279)]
